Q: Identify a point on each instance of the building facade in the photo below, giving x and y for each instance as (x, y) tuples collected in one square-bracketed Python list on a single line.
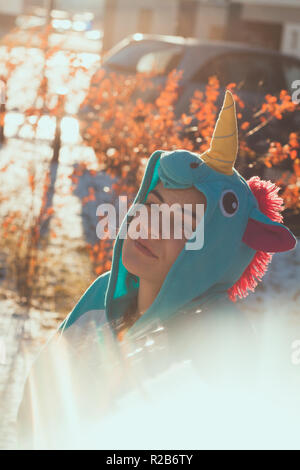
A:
[(269, 23), (273, 24), (187, 18), (9, 10)]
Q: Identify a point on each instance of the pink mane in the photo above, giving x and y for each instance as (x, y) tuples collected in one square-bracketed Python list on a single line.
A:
[(266, 194)]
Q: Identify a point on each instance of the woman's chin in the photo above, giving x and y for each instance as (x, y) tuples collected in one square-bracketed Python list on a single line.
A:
[(134, 266)]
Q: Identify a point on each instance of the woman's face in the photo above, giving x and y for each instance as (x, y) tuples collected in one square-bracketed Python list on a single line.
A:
[(151, 258)]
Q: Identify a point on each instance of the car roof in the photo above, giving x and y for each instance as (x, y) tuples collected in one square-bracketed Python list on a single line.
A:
[(194, 42)]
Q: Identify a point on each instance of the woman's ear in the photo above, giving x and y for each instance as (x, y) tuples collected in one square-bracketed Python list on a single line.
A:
[(262, 234)]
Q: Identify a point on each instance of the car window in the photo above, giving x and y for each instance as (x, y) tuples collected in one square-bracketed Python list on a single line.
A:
[(159, 62), (146, 56), (251, 72)]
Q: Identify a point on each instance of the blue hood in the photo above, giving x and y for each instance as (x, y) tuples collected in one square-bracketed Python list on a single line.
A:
[(197, 276), (238, 236)]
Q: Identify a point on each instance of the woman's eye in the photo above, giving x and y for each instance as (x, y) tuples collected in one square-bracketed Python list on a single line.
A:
[(147, 203), (229, 203)]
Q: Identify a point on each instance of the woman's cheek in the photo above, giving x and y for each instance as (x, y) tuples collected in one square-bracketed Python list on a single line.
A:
[(127, 255), (174, 248)]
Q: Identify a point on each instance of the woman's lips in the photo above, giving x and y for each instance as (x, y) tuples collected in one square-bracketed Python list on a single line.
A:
[(144, 249)]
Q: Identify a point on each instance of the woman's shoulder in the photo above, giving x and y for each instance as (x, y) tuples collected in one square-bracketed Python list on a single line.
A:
[(92, 300), (218, 338)]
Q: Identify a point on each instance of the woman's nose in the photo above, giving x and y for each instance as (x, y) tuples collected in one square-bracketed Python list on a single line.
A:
[(151, 222), (143, 225), (155, 222)]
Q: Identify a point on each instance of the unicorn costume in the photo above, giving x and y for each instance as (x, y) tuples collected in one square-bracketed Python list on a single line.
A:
[(242, 230)]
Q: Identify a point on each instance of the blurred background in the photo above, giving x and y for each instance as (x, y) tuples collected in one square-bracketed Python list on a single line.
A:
[(268, 23), (88, 90)]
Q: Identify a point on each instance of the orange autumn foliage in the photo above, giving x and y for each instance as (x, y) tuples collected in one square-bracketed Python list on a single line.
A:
[(124, 132), (129, 118)]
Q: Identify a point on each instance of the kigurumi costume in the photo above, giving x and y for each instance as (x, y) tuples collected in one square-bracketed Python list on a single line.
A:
[(242, 228)]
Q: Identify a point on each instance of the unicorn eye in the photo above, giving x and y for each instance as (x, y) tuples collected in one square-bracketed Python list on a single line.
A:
[(229, 203)]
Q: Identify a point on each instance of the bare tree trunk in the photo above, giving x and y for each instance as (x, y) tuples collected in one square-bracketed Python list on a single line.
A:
[(50, 7)]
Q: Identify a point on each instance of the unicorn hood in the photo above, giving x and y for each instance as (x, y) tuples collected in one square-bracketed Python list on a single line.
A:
[(241, 229), (80, 374)]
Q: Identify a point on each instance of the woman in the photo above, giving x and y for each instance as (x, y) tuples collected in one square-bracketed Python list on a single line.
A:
[(159, 284)]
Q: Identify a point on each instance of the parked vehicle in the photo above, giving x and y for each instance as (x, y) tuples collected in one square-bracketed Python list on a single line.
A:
[(256, 72)]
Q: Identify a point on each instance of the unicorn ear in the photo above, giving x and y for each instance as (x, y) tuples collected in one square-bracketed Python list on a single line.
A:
[(262, 234)]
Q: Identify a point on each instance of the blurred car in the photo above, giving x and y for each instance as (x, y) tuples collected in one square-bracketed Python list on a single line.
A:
[(255, 71)]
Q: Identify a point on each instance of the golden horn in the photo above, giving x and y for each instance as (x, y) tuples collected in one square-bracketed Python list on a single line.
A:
[(224, 143)]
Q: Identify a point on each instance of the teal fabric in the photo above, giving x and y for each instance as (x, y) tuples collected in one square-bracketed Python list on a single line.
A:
[(92, 299), (198, 277)]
